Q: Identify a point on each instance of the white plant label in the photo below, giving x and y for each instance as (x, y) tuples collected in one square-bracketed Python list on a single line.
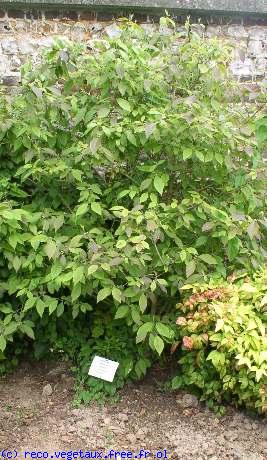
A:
[(103, 368)]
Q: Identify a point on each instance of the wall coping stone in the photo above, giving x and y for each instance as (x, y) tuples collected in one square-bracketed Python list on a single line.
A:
[(253, 8)]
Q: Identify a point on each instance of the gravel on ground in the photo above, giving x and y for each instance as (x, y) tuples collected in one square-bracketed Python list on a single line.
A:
[(37, 414)]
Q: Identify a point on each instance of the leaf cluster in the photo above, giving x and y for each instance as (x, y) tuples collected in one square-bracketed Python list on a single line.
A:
[(222, 333)]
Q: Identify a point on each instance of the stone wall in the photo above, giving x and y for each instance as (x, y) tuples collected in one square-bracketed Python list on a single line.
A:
[(24, 33)]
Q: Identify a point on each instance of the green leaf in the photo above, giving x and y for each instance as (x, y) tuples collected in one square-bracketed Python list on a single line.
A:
[(28, 330), (52, 306), (40, 306), (82, 209), (96, 207), (76, 291), (131, 138), (60, 308), (219, 324), (253, 230), (29, 303), (50, 249), (159, 184), (122, 311), (11, 328), (176, 382), (6, 309), (75, 242), (162, 282), (190, 268), (137, 239), (158, 344), (103, 293), (204, 68), (259, 374), (141, 367), (124, 104), (13, 240), (77, 174), (143, 197), (77, 275), (2, 343), (105, 267), (80, 115), (16, 263), (217, 358), (92, 269), (199, 155), (142, 302), (187, 153), (128, 366), (116, 294), (95, 144), (233, 248), (143, 331), (208, 259), (103, 112), (121, 244), (164, 330)]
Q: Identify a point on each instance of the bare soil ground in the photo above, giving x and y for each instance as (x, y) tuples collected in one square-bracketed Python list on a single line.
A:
[(144, 418)]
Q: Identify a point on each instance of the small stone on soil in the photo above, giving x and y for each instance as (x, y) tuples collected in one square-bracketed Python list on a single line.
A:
[(47, 390)]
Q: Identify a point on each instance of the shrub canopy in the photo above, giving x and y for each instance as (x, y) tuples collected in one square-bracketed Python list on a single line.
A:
[(126, 171)]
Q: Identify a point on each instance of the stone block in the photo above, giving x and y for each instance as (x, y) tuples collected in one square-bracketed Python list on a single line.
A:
[(5, 27), (45, 42), (113, 31), (149, 28), (182, 32), (242, 69), (4, 64), (164, 30), (259, 68), (13, 79), (27, 46), (256, 48), (9, 46), (213, 31), (62, 28), (240, 51), (20, 26), (45, 27), (198, 29), (257, 33), (237, 31), (15, 63), (78, 32), (95, 28)]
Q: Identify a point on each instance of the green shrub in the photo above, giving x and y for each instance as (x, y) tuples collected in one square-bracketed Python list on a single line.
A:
[(115, 342), (125, 172), (222, 329), (89, 335)]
